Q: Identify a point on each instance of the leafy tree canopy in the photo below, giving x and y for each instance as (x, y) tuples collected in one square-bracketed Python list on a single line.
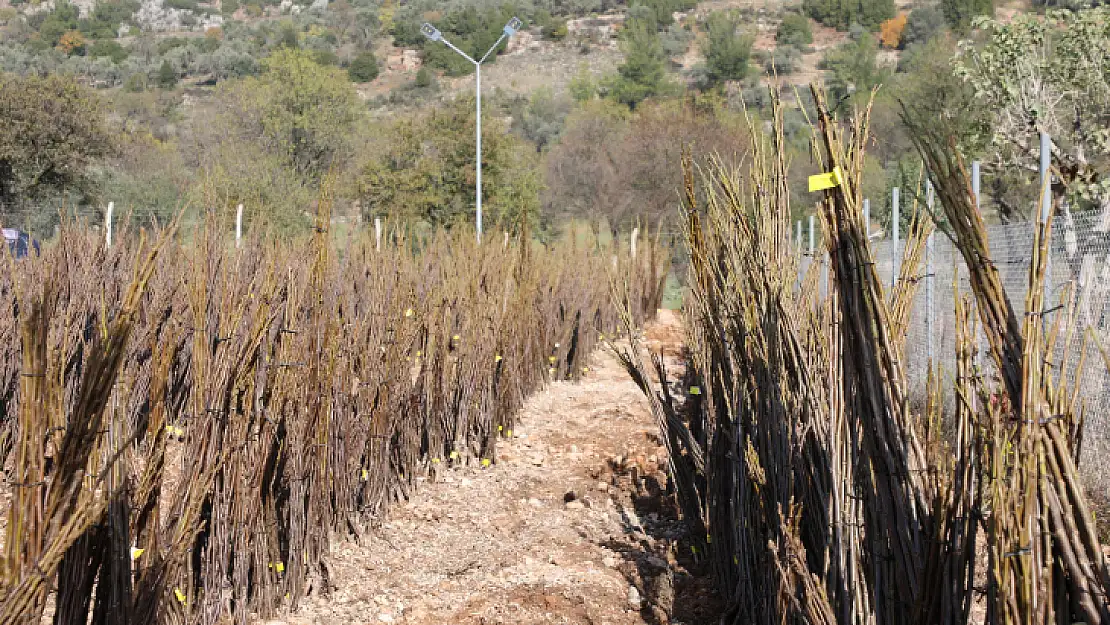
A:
[(424, 168), (45, 149)]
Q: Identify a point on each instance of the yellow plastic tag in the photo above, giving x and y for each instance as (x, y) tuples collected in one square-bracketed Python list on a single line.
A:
[(365, 475), (455, 338), (509, 433), (497, 359), (693, 550), (820, 182), (551, 359), (695, 390), (585, 369), (180, 595), (278, 566), (485, 462), (408, 312), (454, 455), (500, 428), (435, 460), (136, 552), (708, 539)]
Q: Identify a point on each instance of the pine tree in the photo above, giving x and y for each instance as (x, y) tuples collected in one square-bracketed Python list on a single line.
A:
[(959, 13), (167, 78), (644, 72), (843, 13)]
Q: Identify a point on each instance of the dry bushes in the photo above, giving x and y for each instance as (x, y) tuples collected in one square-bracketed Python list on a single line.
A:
[(817, 492), (186, 426)]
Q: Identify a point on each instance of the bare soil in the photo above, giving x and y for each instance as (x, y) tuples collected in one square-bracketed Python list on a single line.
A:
[(572, 524)]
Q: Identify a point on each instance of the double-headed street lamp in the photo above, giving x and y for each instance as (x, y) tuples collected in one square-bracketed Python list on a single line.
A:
[(431, 32)]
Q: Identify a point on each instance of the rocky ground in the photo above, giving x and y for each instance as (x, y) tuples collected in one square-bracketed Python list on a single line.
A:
[(571, 525)]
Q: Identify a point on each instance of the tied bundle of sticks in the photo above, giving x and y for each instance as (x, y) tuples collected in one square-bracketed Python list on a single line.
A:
[(822, 494), (1045, 564)]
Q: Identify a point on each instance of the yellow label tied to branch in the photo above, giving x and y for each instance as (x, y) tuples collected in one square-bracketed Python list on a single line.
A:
[(820, 182), (136, 552), (180, 595)]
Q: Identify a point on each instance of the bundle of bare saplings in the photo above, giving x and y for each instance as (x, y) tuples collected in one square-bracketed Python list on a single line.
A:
[(818, 493), (185, 426)]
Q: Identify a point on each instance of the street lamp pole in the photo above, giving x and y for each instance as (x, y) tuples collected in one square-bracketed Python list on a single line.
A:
[(432, 33)]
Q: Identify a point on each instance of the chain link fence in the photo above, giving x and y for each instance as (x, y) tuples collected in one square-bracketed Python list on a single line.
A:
[(1078, 282)]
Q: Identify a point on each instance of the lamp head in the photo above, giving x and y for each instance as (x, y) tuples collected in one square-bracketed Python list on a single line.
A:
[(431, 32), (513, 26)]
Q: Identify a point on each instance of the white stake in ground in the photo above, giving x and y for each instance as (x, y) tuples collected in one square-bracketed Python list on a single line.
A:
[(378, 233), (108, 225), (238, 225)]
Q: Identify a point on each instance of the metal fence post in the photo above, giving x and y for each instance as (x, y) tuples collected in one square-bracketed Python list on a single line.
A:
[(812, 240), (894, 228), (1046, 205), (930, 250)]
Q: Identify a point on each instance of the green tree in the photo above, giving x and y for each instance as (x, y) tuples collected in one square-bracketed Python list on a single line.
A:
[(542, 120), (727, 52), (275, 136), (843, 13), (583, 87), (924, 23), (58, 22), (960, 13), (364, 67), (1052, 75), (794, 30), (643, 73), (854, 67), (110, 49), (45, 149), (424, 169), (167, 77)]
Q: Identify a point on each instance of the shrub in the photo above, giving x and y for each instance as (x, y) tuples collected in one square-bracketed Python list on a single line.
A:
[(794, 30), (167, 77), (108, 48), (784, 60), (364, 67), (73, 42), (923, 23), (728, 52), (869, 13), (890, 32)]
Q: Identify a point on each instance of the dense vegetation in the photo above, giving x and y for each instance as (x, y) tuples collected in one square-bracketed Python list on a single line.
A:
[(247, 139)]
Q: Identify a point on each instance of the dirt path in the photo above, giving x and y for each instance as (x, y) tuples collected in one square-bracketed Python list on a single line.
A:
[(570, 526)]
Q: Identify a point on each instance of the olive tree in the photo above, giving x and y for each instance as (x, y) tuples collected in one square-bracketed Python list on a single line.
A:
[(1052, 75)]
